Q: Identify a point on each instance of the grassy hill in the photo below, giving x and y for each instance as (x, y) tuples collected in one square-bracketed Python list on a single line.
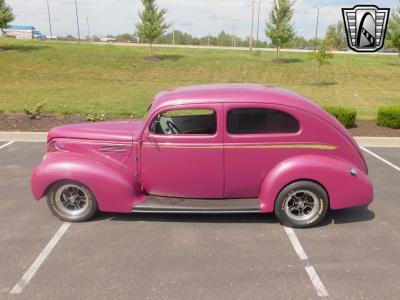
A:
[(82, 78)]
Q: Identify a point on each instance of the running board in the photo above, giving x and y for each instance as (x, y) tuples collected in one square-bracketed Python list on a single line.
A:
[(157, 204)]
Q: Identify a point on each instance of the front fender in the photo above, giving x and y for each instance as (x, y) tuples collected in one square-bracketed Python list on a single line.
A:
[(344, 189), (115, 188)]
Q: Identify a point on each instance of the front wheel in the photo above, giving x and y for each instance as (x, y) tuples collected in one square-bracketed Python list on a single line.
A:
[(71, 201), (301, 204)]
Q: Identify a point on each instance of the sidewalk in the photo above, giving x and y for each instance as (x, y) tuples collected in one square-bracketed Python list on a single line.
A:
[(373, 142)]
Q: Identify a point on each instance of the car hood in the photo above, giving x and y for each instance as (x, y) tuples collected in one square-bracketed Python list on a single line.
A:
[(121, 131)]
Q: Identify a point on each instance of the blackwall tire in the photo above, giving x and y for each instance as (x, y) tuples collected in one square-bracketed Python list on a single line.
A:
[(71, 201), (301, 204)]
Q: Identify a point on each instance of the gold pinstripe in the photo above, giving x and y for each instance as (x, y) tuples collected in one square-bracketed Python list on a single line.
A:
[(277, 146)]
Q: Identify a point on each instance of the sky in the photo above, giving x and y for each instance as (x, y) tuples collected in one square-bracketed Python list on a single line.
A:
[(200, 17)]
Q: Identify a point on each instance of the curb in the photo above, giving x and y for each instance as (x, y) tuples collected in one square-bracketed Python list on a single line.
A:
[(375, 142), (17, 136), (372, 142)]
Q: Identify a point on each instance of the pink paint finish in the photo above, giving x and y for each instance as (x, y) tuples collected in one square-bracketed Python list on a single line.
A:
[(113, 186), (106, 131), (120, 162), (332, 173)]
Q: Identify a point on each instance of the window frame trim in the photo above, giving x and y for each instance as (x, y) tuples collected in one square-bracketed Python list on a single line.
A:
[(270, 134), (192, 106)]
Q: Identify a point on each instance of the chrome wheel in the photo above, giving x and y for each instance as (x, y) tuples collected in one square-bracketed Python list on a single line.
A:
[(302, 205), (71, 199)]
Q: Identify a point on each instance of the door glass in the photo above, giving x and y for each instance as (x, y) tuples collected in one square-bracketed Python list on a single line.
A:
[(185, 121)]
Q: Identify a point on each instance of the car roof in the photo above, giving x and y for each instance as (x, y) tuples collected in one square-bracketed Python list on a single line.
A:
[(232, 93)]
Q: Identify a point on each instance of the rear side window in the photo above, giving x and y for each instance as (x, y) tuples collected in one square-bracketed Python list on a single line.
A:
[(260, 120)]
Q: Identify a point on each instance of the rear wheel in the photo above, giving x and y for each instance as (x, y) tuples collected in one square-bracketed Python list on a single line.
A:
[(71, 201), (301, 204)]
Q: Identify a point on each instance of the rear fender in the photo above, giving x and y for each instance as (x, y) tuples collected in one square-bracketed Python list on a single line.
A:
[(116, 189), (333, 174)]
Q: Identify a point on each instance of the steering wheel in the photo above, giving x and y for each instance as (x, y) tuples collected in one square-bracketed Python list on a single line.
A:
[(173, 128)]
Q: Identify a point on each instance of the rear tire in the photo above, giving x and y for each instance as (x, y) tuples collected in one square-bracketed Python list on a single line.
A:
[(71, 201), (301, 204)]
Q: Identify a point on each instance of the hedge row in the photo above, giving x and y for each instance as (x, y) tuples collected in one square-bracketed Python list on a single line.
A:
[(388, 116), (345, 115)]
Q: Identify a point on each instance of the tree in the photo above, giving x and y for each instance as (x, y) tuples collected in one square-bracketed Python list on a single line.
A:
[(322, 57), (279, 28), (152, 24), (6, 15), (336, 36), (393, 34)]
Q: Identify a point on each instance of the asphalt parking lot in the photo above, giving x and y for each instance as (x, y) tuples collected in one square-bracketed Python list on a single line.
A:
[(354, 253)]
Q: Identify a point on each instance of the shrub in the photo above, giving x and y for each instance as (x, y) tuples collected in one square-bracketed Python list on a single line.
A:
[(345, 115), (96, 117), (389, 116), (36, 111)]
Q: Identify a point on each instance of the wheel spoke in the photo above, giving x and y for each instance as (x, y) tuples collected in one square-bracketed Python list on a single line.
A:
[(71, 199), (302, 205)]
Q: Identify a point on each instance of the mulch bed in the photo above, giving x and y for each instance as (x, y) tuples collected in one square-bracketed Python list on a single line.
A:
[(369, 128), (22, 122)]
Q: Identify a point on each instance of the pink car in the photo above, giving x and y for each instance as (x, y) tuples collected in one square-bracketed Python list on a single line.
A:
[(207, 149)]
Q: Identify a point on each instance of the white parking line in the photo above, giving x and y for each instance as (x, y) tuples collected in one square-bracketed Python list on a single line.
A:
[(316, 281), (23, 282), (7, 144), (381, 158)]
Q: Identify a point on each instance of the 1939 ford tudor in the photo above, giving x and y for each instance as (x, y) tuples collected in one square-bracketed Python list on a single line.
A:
[(207, 149)]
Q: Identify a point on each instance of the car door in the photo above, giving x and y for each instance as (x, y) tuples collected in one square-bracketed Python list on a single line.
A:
[(182, 152), (257, 137)]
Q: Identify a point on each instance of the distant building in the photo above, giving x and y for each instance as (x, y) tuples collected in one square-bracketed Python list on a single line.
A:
[(108, 39), (21, 32)]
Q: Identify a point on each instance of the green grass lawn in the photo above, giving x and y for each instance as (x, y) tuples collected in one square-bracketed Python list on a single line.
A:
[(83, 78)]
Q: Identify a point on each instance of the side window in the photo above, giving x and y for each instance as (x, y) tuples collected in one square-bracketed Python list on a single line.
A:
[(185, 121), (260, 120)]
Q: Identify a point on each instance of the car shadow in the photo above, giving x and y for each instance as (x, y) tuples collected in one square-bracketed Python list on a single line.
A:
[(343, 216), (348, 215), (188, 218)]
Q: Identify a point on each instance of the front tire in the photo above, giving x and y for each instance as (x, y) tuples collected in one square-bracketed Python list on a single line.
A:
[(71, 201), (301, 204)]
